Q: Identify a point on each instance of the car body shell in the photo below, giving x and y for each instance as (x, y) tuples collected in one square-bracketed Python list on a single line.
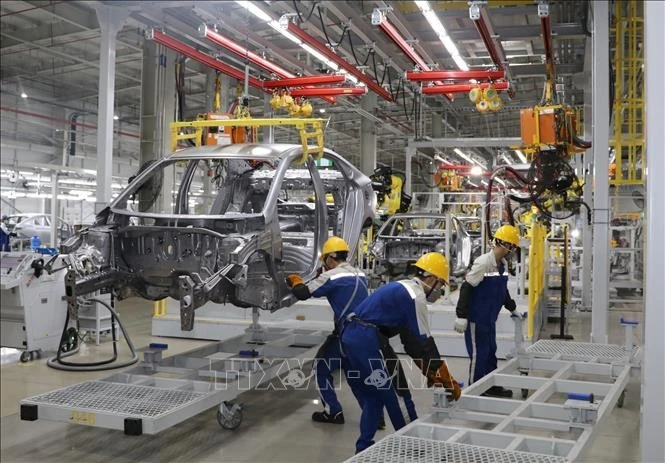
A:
[(240, 254), (403, 238)]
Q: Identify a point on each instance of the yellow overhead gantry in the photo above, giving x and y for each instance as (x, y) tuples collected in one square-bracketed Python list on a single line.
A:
[(311, 130)]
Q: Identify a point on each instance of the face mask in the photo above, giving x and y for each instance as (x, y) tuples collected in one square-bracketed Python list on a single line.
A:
[(434, 293)]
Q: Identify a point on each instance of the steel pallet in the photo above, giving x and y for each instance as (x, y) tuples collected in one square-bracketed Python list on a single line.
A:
[(567, 391), (160, 393)]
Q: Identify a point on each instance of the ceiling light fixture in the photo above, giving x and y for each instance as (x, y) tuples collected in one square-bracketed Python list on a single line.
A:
[(281, 26), (24, 95), (115, 117), (437, 26), (477, 171)]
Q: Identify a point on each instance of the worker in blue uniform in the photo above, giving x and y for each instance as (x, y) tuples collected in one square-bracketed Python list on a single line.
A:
[(345, 287), (398, 307), (482, 295)]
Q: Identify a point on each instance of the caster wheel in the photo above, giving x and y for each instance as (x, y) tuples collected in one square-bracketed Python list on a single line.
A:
[(38, 354), (229, 416), (621, 400), (25, 356), (525, 393)]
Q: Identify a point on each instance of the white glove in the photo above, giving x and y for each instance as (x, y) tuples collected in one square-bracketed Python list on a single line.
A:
[(461, 324)]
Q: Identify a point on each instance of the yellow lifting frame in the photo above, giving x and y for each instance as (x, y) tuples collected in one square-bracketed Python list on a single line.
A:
[(311, 130), (538, 234)]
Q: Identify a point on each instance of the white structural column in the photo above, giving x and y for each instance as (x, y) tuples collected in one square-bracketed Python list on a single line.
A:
[(585, 171), (411, 151), (653, 367), (368, 135), (110, 21), (54, 210), (601, 165)]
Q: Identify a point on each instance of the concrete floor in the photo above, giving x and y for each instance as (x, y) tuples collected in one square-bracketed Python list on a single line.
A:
[(276, 425)]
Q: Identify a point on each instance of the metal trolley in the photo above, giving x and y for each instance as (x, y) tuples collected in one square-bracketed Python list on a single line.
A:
[(569, 389), (160, 393)]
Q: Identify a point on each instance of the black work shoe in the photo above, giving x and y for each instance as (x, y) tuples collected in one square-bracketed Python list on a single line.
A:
[(382, 424), (498, 391), (325, 417)]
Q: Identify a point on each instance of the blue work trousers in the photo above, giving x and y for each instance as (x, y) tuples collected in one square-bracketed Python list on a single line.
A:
[(368, 375), (480, 339)]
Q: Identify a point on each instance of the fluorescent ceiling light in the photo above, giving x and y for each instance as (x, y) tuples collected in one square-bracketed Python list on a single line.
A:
[(255, 10), (282, 30), (115, 117), (521, 156), (506, 159), (438, 28), (500, 181), (322, 110), (24, 95), (319, 56), (476, 170)]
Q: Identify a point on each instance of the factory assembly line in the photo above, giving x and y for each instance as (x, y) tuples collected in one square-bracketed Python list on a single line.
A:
[(304, 220)]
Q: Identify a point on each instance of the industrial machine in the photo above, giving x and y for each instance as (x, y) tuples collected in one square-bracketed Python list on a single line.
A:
[(34, 306)]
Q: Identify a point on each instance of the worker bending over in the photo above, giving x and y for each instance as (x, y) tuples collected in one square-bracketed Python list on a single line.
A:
[(398, 307), (481, 296), (345, 287)]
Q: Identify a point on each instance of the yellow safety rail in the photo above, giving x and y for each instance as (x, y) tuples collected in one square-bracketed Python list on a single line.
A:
[(159, 308), (536, 273), (311, 131), (628, 106)]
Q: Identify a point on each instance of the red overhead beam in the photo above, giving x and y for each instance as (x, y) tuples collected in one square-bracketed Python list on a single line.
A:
[(325, 51), (305, 80), (328, 91), (244, 53), (461, 88), (494, 47), (546, 28), (418, 76), (176, 45), (396, 37)]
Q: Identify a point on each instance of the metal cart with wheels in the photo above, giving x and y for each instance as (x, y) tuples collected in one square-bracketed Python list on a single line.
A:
[(160, 393)]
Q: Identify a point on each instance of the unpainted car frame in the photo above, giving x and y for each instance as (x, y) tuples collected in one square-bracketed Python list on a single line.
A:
[(240, 254), (395, 250)]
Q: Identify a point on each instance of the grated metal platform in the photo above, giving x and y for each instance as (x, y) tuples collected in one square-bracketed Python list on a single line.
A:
[(406, 449), (580, 350), (161, 393), (125, 399)]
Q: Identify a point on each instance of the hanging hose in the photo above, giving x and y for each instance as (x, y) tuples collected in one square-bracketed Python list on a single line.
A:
[(108, 364), (325, 32)]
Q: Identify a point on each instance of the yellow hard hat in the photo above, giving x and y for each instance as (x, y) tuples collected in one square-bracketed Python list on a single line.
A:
[(508, 234), (334, 244), (434, 263)]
